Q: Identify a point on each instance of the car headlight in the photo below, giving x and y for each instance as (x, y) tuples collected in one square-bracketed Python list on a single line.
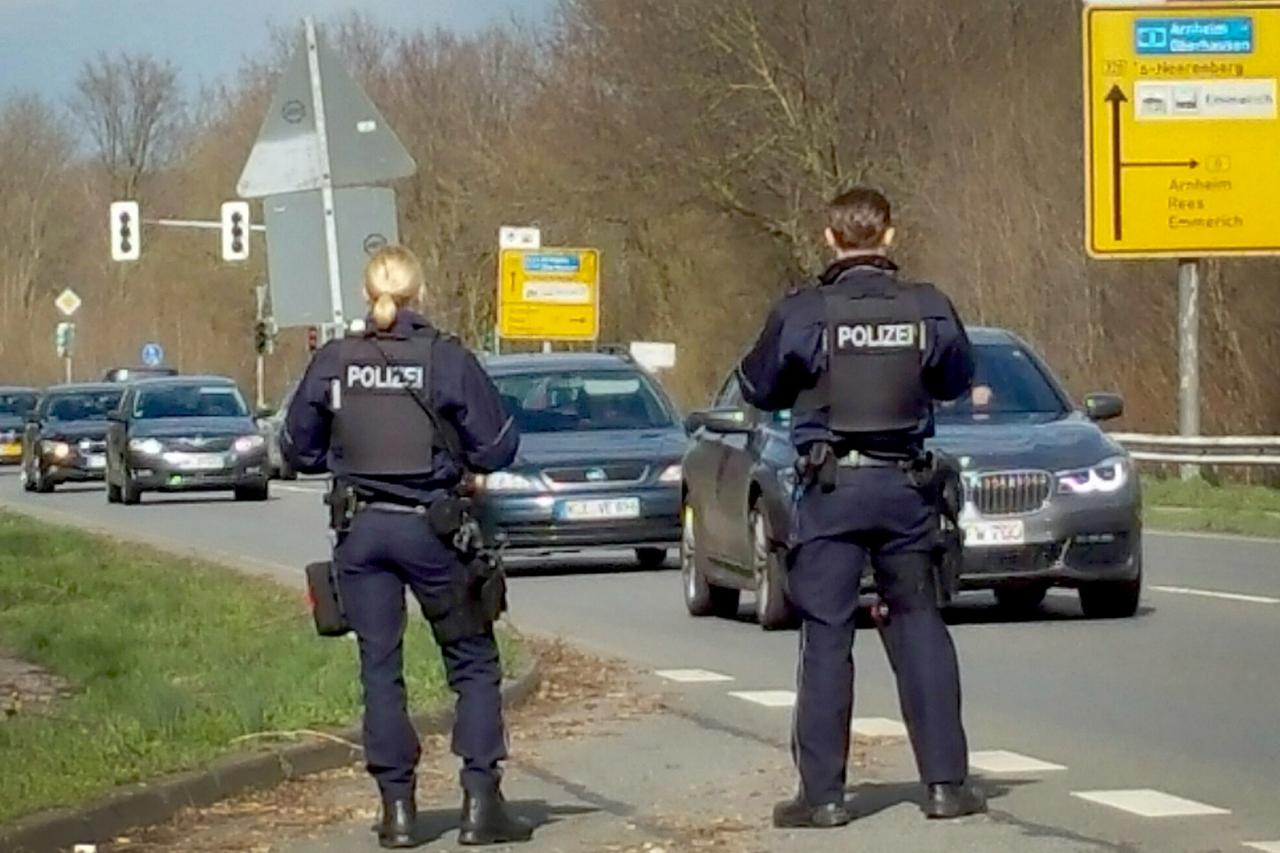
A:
[(1108, 476), (248, 443), (84, 444), (149, 446), (505, 481), (671, 474), (57, 449)]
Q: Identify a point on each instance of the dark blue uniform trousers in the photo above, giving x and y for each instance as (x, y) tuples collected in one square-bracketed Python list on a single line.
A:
[(875, 515), (382, 554)]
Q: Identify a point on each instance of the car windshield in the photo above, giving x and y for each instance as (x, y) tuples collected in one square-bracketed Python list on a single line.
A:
[(190, 401), (582, 401), (17, 403), (1008, 384), (81, 406)]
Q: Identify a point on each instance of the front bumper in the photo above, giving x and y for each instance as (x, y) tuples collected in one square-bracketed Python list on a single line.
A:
[(10, 452), (1073, 540), (78, 468), (534, 524), (177, 473)]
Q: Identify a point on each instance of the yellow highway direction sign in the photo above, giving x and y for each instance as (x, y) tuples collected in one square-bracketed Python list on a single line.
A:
[(1182, 134), (549, 294)]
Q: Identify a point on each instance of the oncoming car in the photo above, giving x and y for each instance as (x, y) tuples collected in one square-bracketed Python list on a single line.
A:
[(599, 461), (65, 439), (15, 404), (1050, 499), (184, 434)]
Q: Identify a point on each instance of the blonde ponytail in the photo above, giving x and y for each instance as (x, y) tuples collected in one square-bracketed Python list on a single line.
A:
[(392, 280)]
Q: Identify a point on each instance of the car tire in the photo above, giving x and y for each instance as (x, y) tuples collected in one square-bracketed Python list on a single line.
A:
[(256, 492), (130, 494), (1020, 600), (773, 609), (701, 598), (651, 558), (1111, 599)]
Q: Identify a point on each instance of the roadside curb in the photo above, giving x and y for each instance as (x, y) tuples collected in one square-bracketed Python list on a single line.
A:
[(151, 803)]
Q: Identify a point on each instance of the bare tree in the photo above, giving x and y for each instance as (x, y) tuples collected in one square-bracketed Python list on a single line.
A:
[(132, 109)]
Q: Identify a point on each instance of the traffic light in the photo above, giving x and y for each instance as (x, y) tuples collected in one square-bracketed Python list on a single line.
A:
[(235, 231), (64, 337), (126, 231), (313, 338), (262, 337)]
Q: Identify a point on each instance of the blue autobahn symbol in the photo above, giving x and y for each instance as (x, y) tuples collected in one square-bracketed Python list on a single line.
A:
[(1166, 36), (152, 355), (552, 262)]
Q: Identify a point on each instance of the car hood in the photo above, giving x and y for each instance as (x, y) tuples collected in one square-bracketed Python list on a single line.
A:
[(75, 429), (539, 449), (176, 427), (1070, 442), (9, 423)]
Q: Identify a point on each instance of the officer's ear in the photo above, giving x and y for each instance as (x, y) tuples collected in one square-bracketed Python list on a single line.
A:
[(889, 233)]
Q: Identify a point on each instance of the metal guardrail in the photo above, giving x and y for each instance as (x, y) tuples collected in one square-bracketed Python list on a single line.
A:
[(1244, 450)]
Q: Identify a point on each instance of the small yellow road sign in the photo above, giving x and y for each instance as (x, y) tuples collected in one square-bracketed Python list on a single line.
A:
[(549, 294)]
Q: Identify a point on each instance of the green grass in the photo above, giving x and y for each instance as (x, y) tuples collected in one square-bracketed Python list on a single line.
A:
[(170, 661), (1197, 505)]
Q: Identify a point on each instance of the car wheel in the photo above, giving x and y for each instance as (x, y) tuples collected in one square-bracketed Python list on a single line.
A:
[(256, 492), (130, 494), (773, 610), (701, 598), (651, 558), (1021, 599), (1111, 599)]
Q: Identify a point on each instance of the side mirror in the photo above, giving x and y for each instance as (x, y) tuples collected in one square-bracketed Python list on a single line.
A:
[(1103, 407), (723, 421), (116, 416)]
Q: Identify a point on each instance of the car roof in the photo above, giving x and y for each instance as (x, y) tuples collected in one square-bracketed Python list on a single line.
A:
[(158, 381), (83, 387), (991, 335), (16, 389), (546, 361)]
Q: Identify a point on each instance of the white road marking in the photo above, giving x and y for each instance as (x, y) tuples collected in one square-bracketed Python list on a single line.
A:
[(300, 489), (1003, 761), (1208, 593), (768, 698), (878, 727), (1264, 846), (691, 676), (1148, 803)]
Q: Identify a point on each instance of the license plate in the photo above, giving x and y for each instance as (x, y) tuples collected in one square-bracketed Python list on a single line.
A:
[(96, 463), (196, 461), (994, 534), (10, 449), (602, 509)]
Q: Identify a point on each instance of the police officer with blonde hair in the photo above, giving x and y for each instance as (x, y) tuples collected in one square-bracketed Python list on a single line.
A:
[(398, 415), (860, 358)]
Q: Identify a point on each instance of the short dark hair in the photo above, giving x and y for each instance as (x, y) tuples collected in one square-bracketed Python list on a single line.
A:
[(859, 218)]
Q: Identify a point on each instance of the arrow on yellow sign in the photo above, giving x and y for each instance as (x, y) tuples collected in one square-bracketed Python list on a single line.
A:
[(1115, 98)]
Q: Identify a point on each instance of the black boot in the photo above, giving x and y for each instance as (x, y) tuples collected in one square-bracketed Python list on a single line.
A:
[(799, 814), (485, 820), (954, 800), (399, 821)]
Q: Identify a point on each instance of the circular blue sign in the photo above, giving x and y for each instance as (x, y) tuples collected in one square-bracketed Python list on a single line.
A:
[(152, 355)]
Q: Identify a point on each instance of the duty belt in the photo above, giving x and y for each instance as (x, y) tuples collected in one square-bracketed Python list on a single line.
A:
[(387, 506), (855, 459)]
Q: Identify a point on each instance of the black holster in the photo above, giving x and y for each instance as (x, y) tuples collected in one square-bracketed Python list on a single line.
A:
[(819, 465), (341, 500), (479, 594), (325, 599)]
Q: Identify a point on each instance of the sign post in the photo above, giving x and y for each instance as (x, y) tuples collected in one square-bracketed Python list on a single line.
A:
[(1181, 129), (67, 302), (549, 295)]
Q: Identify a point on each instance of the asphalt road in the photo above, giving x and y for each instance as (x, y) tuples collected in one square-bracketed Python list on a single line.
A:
[(1123, 716)]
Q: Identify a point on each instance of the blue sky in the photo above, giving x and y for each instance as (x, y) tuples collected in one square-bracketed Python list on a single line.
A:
[(44, 42)]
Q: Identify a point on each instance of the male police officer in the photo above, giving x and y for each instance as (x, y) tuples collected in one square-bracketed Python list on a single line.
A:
[(860, 358), (398, 415)]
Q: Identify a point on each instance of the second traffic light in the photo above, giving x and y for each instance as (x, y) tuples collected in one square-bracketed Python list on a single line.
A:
[(235, 231), (126, 231)]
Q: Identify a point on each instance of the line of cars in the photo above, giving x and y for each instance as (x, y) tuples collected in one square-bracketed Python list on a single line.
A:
[(140, 430)]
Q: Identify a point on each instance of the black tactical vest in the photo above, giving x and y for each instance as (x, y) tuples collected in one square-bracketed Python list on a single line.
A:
[(379, 429), (875, 343)]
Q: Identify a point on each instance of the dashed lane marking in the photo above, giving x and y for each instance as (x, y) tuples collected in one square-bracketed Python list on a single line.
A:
[(878, 727), (1146, 802), (1003, 761), (1264, 846), (768, 698), (1208, 593), (692, 676)]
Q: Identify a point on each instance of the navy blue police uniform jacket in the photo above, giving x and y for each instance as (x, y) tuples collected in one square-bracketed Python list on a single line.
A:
[(461, 393), (791, 354)]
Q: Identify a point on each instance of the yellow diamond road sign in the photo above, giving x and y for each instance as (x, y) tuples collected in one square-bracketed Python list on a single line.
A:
[(68, 302), (1181, 129), (549, 294)]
